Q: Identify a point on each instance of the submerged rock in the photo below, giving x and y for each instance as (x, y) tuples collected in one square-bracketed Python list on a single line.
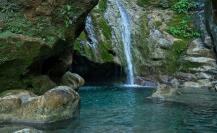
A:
[(164, 91), (189, 96), (59, 103)]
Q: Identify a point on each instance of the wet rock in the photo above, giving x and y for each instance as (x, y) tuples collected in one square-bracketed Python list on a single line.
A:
[(164, 91), (192, 96), (144, 82), (72, 80), (59, 103)]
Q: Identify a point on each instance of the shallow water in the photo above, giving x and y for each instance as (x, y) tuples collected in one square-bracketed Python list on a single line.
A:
[(128, 110)]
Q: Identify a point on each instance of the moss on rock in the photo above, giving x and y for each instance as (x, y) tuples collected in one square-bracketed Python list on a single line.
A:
[(173, 62), (35, 39)]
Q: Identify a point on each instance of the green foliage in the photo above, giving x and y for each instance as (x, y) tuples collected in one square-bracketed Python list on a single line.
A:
[(173, 63), (106, 29), (143, 2), (67, 12), (156, 3), (41, 27), (183, 6), (183, 30), (6, 6), (102, 5)]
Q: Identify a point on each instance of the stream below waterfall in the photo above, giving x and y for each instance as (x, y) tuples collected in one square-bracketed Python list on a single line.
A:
[(120, 109)]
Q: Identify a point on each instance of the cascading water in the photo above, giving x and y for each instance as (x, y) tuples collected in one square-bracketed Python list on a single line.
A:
[(90, 31), (92, 39), (126, 38)]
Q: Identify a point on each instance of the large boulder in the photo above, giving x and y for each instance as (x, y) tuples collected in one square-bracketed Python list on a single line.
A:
[(36, 38), (59, 103)]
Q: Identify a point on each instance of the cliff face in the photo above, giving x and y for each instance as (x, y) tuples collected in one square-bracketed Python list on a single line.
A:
[(170, 42), (36, 38)]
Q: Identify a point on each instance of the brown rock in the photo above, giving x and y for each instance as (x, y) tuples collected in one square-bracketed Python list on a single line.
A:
[(73, 80), (56, 104)]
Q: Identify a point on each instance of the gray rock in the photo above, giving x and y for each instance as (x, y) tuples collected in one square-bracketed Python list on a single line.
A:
[(203, 75), (193, 96), (164, 3), (145, 82), (174, 83), (197, 48), (203, 83), (201, 60), (158, 54), (186, 76), (201, 25)]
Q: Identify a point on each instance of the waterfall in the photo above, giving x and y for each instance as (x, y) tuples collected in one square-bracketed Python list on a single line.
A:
[(92, 38), (126, 38), (92, 41)]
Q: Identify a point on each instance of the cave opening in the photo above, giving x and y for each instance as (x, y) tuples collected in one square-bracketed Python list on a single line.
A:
[(52, 62), (97, 73)]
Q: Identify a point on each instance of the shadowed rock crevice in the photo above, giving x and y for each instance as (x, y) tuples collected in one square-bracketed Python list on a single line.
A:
[(97, 73), (52, 62), (211, 19), (214, 3)]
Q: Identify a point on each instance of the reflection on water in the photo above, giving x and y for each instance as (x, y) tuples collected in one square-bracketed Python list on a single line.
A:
[(127, 110)]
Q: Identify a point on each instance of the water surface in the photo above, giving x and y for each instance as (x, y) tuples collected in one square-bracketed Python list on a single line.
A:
[(128, 110)]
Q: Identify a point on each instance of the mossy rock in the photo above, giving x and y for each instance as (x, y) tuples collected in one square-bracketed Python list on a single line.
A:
[(36, 38)]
